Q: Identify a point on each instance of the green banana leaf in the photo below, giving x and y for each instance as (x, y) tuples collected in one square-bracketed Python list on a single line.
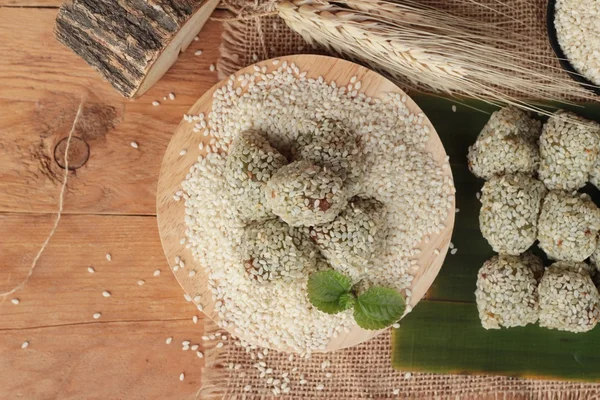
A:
[(443, 333)]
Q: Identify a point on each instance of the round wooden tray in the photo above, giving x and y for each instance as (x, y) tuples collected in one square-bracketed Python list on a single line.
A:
[(175, 167)]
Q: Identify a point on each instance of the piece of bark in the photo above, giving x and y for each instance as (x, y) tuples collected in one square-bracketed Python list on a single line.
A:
[(131, 42)]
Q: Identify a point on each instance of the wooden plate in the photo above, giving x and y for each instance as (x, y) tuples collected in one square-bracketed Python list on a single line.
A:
[(175, 167)]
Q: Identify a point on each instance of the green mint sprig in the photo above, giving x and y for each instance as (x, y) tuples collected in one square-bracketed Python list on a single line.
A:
[(376, 308)]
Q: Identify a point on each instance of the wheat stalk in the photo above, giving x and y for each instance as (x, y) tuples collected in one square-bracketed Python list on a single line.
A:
[(430, 48)]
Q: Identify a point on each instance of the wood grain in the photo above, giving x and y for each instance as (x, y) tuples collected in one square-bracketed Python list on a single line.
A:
[(100, 360), (175, 167), (123, 354), (39, 101)]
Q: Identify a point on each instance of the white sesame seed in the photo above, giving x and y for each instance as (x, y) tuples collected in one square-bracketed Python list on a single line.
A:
[(187, 297), (108, 257), (198, 53), (182, 152), (197, 299), (91, 270), (195, 319), (200, 354), (97, 315), (191, 273), (407, 375), (196, 39), (195, 347), (169, 340), (134, 145), (15, 301), (205, 338), (320, 386), (247, 388), (25, 345), (436, 251), (396, 325), (182, 376), (156, 273), (182, 241), (156, 103), (453, 108), (453, 251), (396, 392), (106, 293), (177, 259), (171, 96), (219, 345), (212, 67), (185, 343), (328, 375), (141, 282)]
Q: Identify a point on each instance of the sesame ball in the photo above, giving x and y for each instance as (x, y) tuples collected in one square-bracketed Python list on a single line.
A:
[(274, 250), (569, 147), (569, 301), (535, 264), (510, 206), (506, 293), (568, 226), (250, 164), (594, 177), (336, 148), (507, 144), (351, 241), (304, 194)]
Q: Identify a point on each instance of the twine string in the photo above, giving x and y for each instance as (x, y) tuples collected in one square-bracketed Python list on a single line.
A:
[(22, 284)]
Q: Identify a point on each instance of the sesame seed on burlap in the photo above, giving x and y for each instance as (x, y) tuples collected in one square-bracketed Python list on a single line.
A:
[(363, 371)]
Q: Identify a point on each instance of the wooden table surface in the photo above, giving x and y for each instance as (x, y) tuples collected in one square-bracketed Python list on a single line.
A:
[(109, 208)]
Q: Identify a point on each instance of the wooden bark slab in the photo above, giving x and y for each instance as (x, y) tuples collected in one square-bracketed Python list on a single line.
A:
[(131, 43), (174, 168), (42, 84)]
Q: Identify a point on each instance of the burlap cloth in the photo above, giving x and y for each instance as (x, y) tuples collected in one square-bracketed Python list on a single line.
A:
[(365, 371)]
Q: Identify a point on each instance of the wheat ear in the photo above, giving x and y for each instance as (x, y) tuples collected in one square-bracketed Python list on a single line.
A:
[(428, 48)]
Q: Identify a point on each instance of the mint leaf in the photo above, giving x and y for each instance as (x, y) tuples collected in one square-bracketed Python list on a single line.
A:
[(378, 308), (347, 300), (326, 290)]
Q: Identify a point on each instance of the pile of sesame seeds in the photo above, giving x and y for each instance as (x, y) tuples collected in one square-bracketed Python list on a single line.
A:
[(285, 105), (578, 33)]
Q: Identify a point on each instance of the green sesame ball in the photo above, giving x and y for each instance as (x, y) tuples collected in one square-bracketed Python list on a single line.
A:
[(507, 144), (250, 164), (510, 206), (351, 241), (506, 293), (569, 148), (274, 250), (569, 301), (568, 226), (304, 194), (336, 148)]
